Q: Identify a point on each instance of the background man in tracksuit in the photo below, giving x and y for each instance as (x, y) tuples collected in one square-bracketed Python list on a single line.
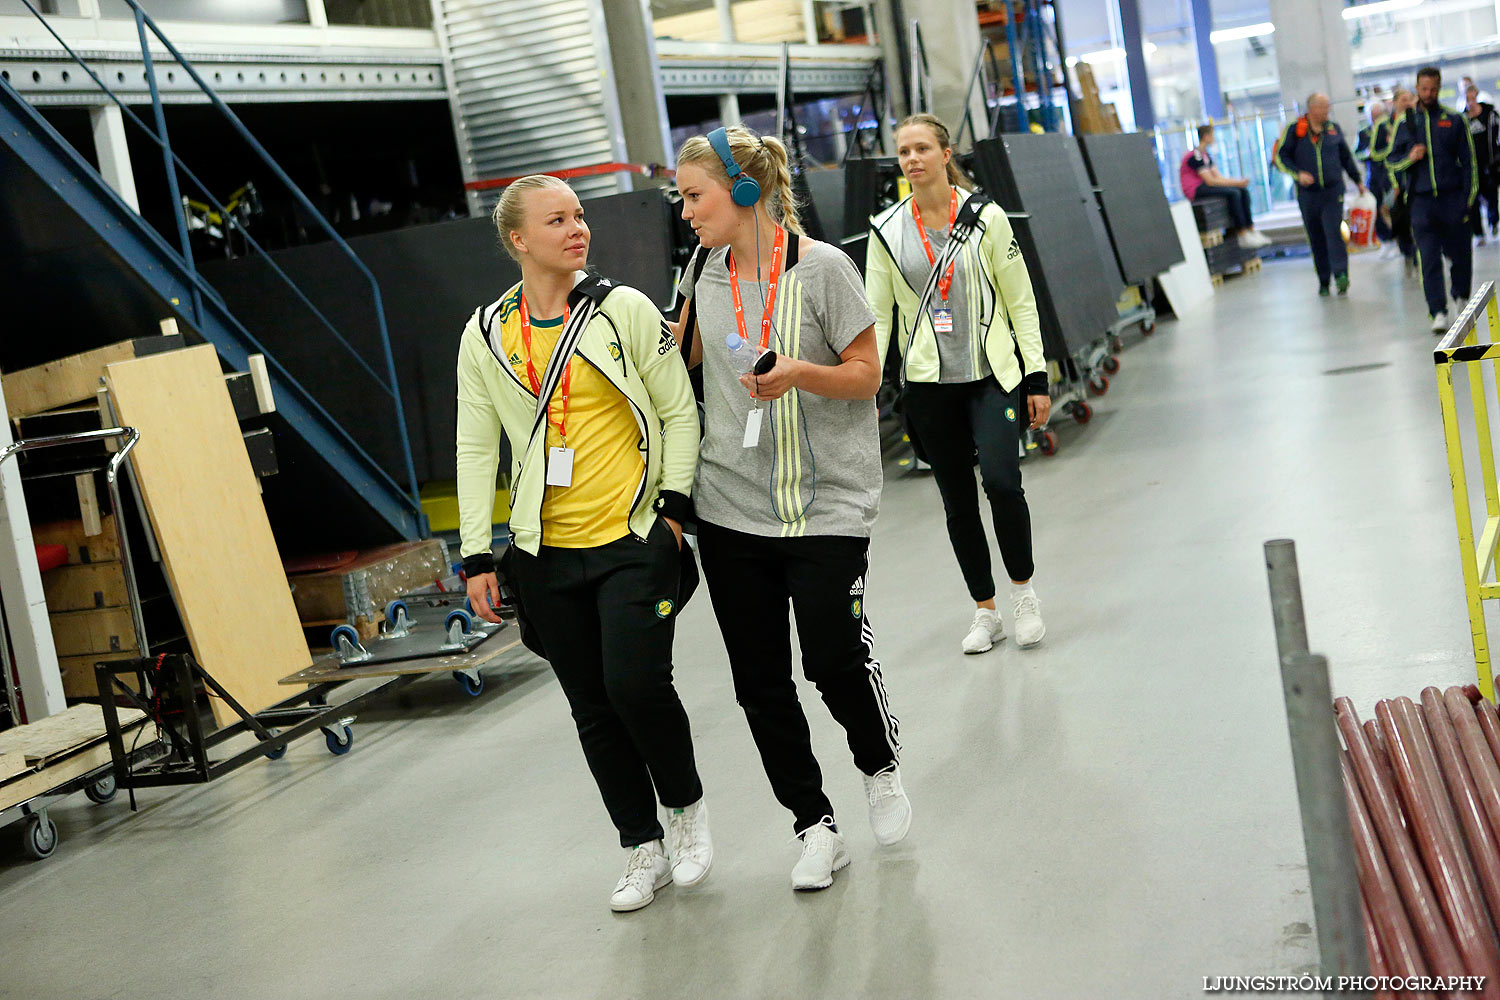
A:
[(1374, 139), (1313, 150), (1484, 130), (1433, 155)]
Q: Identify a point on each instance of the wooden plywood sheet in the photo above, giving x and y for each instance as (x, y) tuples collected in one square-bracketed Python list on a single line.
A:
[(205, 507), (72, 379), (57, 735)]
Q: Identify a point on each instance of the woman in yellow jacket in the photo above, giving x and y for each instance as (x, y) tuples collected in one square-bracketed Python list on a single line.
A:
[(601, 476), (946, 264)]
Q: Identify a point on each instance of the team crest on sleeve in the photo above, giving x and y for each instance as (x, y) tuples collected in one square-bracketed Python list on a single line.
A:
[(663, 608), (614, 350)]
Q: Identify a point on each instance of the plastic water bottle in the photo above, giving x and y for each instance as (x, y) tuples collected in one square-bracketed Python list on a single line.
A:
[(742, 353)]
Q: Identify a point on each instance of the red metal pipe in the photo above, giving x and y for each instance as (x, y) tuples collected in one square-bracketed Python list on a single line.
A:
[(1399, 952), (1483, 768), (1382, 756), (1463, 793), (1416, 891), (1452, 880), (1489, 724)]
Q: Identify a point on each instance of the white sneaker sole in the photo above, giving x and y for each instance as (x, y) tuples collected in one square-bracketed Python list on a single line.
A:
[(1034, 642), (840, 862), (993, 639), (661, 884), (685, 884)]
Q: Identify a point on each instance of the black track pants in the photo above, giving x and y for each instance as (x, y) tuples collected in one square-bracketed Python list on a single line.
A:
[(606, 617)]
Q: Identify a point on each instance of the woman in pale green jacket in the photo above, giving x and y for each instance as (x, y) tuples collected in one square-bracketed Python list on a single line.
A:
[(945, 263), (600, 480)]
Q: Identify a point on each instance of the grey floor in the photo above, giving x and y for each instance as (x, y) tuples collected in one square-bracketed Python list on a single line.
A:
[(1109, 815)]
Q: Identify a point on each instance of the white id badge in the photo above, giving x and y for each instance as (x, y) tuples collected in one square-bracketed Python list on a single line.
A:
[(752, 428), (942, 320), (559, 466)]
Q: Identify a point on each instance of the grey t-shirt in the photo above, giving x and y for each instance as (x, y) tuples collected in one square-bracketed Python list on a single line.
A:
[(960, 357), (816, 468)]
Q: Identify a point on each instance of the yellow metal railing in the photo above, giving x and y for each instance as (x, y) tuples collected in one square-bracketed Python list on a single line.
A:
[(1461, 345)]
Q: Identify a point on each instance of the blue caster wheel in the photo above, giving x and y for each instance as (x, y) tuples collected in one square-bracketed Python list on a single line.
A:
[(275, 754), (345, 632), (462, 617), (339, 741), (394, 608), (473, 686)]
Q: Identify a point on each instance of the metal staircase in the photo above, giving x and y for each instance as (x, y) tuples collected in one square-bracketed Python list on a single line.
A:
[(170, 273)]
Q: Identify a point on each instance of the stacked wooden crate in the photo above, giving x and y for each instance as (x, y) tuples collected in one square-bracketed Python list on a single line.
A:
[(87, 602)]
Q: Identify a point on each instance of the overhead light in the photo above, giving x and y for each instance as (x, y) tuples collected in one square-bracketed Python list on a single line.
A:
[(1106, 55), (1247, 31), (1378, 7)]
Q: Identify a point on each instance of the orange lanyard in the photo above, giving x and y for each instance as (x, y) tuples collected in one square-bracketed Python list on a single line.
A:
[(775, 276), (536, 384), (946, 281)]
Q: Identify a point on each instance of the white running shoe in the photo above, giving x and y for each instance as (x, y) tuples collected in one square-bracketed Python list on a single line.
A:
[(890, 809), (647, 871), (1440, 323), (1029, 627), (1250, 239), (823, 853), (692, 849), (986, 630), (1389, 251)]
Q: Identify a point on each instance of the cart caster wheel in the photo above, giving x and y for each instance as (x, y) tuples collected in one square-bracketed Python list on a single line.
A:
[(40, 838), (102, 790), (1099, 385), (1111, 364), (1049, 443), (1116, 344), (339, 742), (473, 686), (1148, 327), (1083, 412), (462, 617), (394, 608), (275, 754), (346, 632)]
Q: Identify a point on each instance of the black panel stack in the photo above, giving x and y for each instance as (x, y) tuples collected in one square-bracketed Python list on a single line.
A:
[(1040, 180), (1139, 220)]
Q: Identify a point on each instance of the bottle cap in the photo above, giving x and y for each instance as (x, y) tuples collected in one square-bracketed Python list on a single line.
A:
[(734, 341)]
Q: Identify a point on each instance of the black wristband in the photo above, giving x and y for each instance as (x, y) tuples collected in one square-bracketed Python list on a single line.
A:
[(1034, 384), (478, 564), (677, 506)]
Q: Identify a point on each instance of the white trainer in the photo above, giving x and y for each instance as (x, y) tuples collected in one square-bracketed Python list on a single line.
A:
[(890, 809), (691, 848), (1440, 323), (1389, 251), (646, 872), (986, 630), (1029, 627), (823, 853)]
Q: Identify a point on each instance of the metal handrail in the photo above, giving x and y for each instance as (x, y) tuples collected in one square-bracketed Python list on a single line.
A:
[(389, 383), (127, 436)]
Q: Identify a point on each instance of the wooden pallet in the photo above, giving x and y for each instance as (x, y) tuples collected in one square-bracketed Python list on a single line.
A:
[(1216, 280), (1210, 240), (1252, 265)]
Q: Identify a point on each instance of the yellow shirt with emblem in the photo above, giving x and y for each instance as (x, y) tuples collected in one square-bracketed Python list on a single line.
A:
[(608, 464)]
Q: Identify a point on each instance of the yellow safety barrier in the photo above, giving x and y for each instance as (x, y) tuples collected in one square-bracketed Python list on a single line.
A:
[(1461, 346)]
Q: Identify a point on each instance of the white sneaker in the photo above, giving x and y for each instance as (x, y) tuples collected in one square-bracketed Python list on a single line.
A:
[(823, 854), (647, 871), (1390, 251), (1029, 627), (890, 809), (1440, 323), (1252, 240), (986, 630), (691, 848)]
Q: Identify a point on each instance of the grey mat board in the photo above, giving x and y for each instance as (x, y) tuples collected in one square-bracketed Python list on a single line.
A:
[(1136, 211)]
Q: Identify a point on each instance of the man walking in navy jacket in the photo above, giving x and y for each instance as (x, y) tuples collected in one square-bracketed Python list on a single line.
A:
[(1313, 150), (1433, 154)]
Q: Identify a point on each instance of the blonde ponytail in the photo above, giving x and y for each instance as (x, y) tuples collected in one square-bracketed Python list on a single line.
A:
[(762, 157)]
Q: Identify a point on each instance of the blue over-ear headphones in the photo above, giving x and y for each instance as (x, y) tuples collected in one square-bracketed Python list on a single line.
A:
[(744, 190)]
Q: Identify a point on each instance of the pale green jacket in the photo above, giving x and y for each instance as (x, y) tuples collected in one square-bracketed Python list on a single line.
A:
[(628, 343), (1002, 300)]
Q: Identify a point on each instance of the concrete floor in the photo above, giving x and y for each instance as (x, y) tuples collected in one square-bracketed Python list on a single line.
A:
[(1109, 815)]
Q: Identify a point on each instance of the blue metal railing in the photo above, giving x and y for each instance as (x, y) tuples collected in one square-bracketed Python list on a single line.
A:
[(172, 163)]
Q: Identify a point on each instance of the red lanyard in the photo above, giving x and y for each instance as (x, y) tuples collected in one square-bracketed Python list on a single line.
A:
[(946, 281), (536, 384), (734, 287)]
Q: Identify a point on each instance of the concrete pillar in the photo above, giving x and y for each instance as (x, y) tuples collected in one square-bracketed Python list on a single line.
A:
[(108, 124), (1134, 43), (1208, 63), (889, 33), (950, 34), (637, 74), (1312, 55), (21, 590)]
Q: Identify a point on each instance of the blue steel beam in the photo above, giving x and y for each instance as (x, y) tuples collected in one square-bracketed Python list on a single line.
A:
[(143, 250)]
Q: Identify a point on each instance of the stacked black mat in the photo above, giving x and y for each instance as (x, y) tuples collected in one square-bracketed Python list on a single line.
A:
[(1123, 168)]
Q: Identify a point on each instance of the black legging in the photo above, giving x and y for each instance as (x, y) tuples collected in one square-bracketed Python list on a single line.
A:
[(954, 421)]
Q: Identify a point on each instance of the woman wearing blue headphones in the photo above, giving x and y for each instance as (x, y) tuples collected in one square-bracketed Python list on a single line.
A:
[(789, 478)]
